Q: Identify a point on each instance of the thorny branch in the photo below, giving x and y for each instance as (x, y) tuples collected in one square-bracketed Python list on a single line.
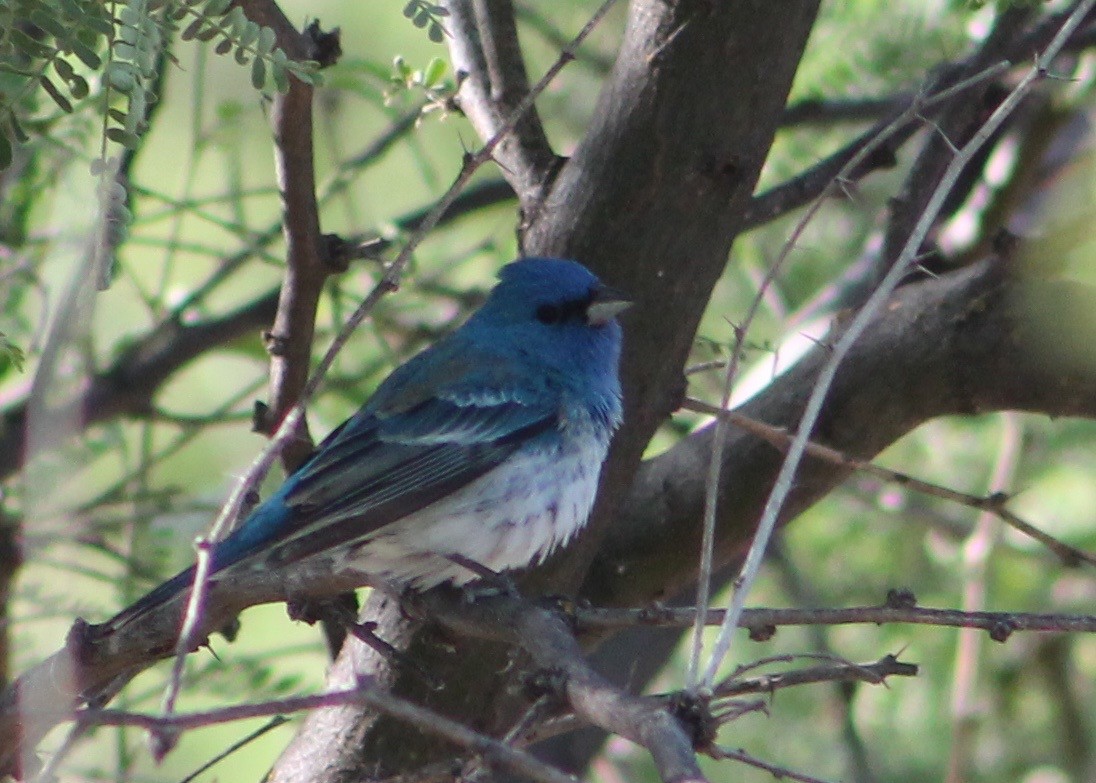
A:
[(901, 607), (995, 503), (874, 303)]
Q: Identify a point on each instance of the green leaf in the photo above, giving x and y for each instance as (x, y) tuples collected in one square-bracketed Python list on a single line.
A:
[(5, 151), (87, 56), (130, 14), (434, 72), (54, 93), (125, 51), (28, 46), (267, 39), (146, 62), (248, 35), (192, 30), (78, 87), (129, 35), (17, 129), (9, 350), (281, 77), (236, 21), (125, 138), (101, 25), (121, 77), (138, 106), (216, 7), (50, 23), (64, 70), (258, 73)]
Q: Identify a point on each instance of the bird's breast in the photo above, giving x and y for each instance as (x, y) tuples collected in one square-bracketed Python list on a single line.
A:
[(511, 517)]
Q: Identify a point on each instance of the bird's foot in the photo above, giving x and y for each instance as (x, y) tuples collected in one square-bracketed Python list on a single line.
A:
[(489, 584), (340, 613), (366, 634)]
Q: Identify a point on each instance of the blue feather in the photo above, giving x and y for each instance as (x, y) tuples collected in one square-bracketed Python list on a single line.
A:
[(487, 445)]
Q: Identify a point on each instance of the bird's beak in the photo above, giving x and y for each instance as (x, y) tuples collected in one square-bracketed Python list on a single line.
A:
[(606, 305)]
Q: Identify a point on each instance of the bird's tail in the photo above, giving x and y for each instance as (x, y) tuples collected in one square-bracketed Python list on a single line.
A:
[(247, 540), (159, 596)]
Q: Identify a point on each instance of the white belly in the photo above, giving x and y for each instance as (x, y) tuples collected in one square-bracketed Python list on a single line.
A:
[(512, 517)]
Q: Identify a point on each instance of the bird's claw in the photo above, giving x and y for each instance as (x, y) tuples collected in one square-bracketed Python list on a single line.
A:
[(490, 587)]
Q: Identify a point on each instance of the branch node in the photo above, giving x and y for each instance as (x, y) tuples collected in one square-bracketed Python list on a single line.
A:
[(324, 48), (900, 598), (694, 712), (260, 417), (161, 741), (546, 682), (275, 344), (1001, 630), (78, 641), (761, 633)]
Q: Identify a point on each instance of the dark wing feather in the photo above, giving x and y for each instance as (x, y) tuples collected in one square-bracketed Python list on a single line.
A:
[(380, 469)]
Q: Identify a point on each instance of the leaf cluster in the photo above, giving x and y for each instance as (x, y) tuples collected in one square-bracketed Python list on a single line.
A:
[(427, 16), (245, 40), (62, 48), (40, 41)]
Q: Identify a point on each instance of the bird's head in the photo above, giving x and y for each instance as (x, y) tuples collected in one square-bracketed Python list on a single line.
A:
[(558, 316), (552, 294)]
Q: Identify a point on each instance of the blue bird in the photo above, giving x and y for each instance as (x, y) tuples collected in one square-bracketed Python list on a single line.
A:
[(481, 452)]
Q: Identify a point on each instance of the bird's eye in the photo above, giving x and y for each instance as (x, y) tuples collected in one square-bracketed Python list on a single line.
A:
[(548, 314)]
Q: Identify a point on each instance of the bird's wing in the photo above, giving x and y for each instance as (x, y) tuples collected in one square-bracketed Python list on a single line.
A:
[(398, 455)]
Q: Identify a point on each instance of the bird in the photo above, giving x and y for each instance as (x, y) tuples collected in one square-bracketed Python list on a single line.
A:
[(479, 455)]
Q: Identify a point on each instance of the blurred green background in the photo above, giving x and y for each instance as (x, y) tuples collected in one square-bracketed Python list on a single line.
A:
[(116, 510)]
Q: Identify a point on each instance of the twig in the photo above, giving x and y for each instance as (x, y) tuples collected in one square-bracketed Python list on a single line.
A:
[(483, 42), (719, 438), (994, 503), (762, 623), (493, 751), (977, 552), (871, 673), (271, 724), (860, 156), (720, 753), (543, 634), (787, 472)]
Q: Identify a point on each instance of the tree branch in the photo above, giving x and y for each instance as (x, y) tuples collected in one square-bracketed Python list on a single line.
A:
[(974, 341), (900, 607), (554, 650), (289, 340), (483, 42)]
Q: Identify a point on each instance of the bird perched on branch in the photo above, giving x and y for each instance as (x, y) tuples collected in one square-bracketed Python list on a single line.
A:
[(482, 453)]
